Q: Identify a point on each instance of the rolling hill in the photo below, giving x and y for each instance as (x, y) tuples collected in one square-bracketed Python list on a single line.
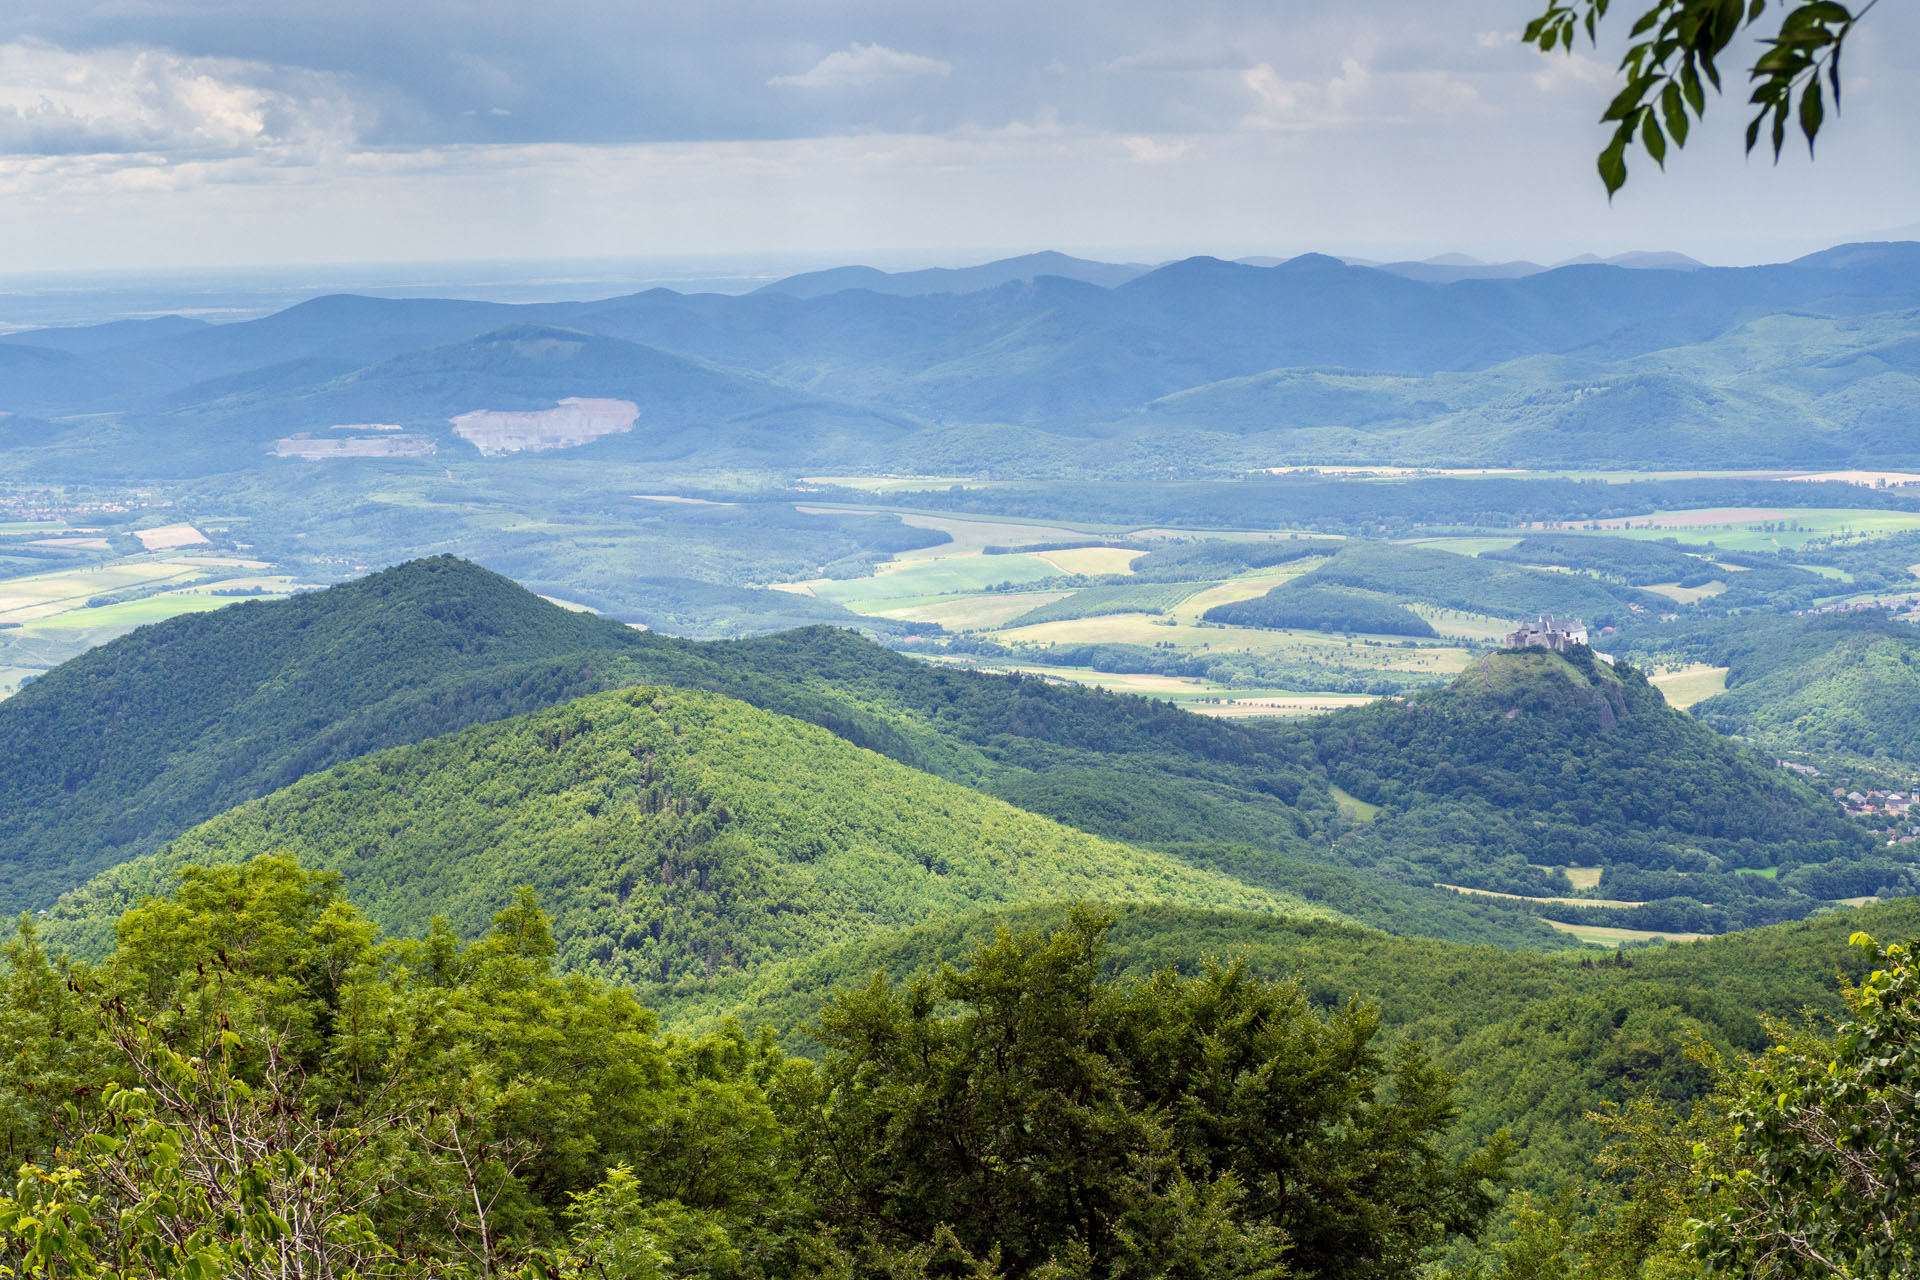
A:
[(673, 836), (115, 753), (1533, 761)]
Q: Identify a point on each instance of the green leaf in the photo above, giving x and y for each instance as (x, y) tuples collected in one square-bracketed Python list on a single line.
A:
[(1654, 140), (1811, 112)]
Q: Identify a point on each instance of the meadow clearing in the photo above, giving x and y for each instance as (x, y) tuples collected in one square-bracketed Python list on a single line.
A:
[(1695, 682)]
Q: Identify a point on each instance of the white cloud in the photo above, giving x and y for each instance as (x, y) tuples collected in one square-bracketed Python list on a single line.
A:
[(1148, 150), (1356, 93), (132, 102), (1570, 70), (859, 65)]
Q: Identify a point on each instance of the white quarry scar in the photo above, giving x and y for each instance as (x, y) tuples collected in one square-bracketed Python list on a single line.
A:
[(574, 421)]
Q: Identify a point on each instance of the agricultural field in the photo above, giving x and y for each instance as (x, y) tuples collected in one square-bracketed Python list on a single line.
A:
[(1599, 935), (67, 589), (1695, 682), (1760, 529)]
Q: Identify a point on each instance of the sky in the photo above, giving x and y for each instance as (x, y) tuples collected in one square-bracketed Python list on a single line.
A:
[(221, 133)]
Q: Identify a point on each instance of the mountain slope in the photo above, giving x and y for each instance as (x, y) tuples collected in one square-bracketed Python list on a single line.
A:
[(673, 835), (1532, 761), (128, 744), (207, 712)]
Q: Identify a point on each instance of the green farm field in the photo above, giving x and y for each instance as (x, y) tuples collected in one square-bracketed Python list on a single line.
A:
[(1756, 529)]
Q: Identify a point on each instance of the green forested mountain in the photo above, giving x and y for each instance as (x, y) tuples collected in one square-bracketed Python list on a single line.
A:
[(1846, 683), (272, 692), (674, 836), (1534, 760), (133, 742)]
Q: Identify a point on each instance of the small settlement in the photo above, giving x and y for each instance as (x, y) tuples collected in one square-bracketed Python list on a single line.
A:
[(1874, 806)]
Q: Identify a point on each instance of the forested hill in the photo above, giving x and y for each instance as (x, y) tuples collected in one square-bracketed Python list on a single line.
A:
[(673, 836), (110, 755), (132, 742), (1531, 761)]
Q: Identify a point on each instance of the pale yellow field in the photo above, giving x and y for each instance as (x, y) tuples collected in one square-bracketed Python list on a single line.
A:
[(1687, 595), (1250, 587), (1352, 807), (1584, 877), (973, 613), (1143, 683), (1147, 629), (1604, 936), (1690, 684), (168, 537), (1092, 560), (1521, 897), (45, 595)]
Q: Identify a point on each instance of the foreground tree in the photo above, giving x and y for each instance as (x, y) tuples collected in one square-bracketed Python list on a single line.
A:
[(1803, 1164), (1021, 1116), (261, 1087), (1674, 55)]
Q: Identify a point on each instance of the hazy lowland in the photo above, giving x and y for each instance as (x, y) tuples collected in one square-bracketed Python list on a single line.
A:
[(532, 715)]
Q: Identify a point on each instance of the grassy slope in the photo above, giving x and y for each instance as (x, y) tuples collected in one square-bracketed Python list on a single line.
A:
[(673, 835)]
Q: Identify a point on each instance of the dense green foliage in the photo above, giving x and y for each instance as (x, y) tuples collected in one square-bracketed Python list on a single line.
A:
[(1207, 1126), (1536, 1041), (675, 835), (1472, 583), (255, 1084), (1322, 609), (1627, 560), (1186, 562), (1532, 761)]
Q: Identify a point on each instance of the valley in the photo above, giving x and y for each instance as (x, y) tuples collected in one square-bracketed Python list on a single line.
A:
[(785, 678)]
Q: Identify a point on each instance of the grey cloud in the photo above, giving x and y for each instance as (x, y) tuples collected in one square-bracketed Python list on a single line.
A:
[(436, 72)]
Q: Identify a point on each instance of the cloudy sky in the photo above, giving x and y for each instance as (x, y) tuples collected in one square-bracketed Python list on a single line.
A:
[(159, 133)]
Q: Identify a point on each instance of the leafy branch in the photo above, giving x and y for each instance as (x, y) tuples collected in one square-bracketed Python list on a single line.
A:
[(1675, 54)]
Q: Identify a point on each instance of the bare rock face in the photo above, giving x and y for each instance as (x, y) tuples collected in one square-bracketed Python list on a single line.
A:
[(574, 421)]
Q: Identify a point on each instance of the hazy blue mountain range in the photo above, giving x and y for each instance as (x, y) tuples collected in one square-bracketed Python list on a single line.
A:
[(991, 275), (1813, 362)]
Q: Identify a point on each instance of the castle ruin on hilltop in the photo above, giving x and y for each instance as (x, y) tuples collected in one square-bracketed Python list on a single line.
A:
[(1557, 634)]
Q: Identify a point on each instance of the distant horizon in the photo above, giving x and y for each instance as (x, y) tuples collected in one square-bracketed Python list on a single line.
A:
[(235, 293)]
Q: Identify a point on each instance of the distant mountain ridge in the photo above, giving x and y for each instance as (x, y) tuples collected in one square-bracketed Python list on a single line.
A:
[(990, 275), (1582, 364)]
